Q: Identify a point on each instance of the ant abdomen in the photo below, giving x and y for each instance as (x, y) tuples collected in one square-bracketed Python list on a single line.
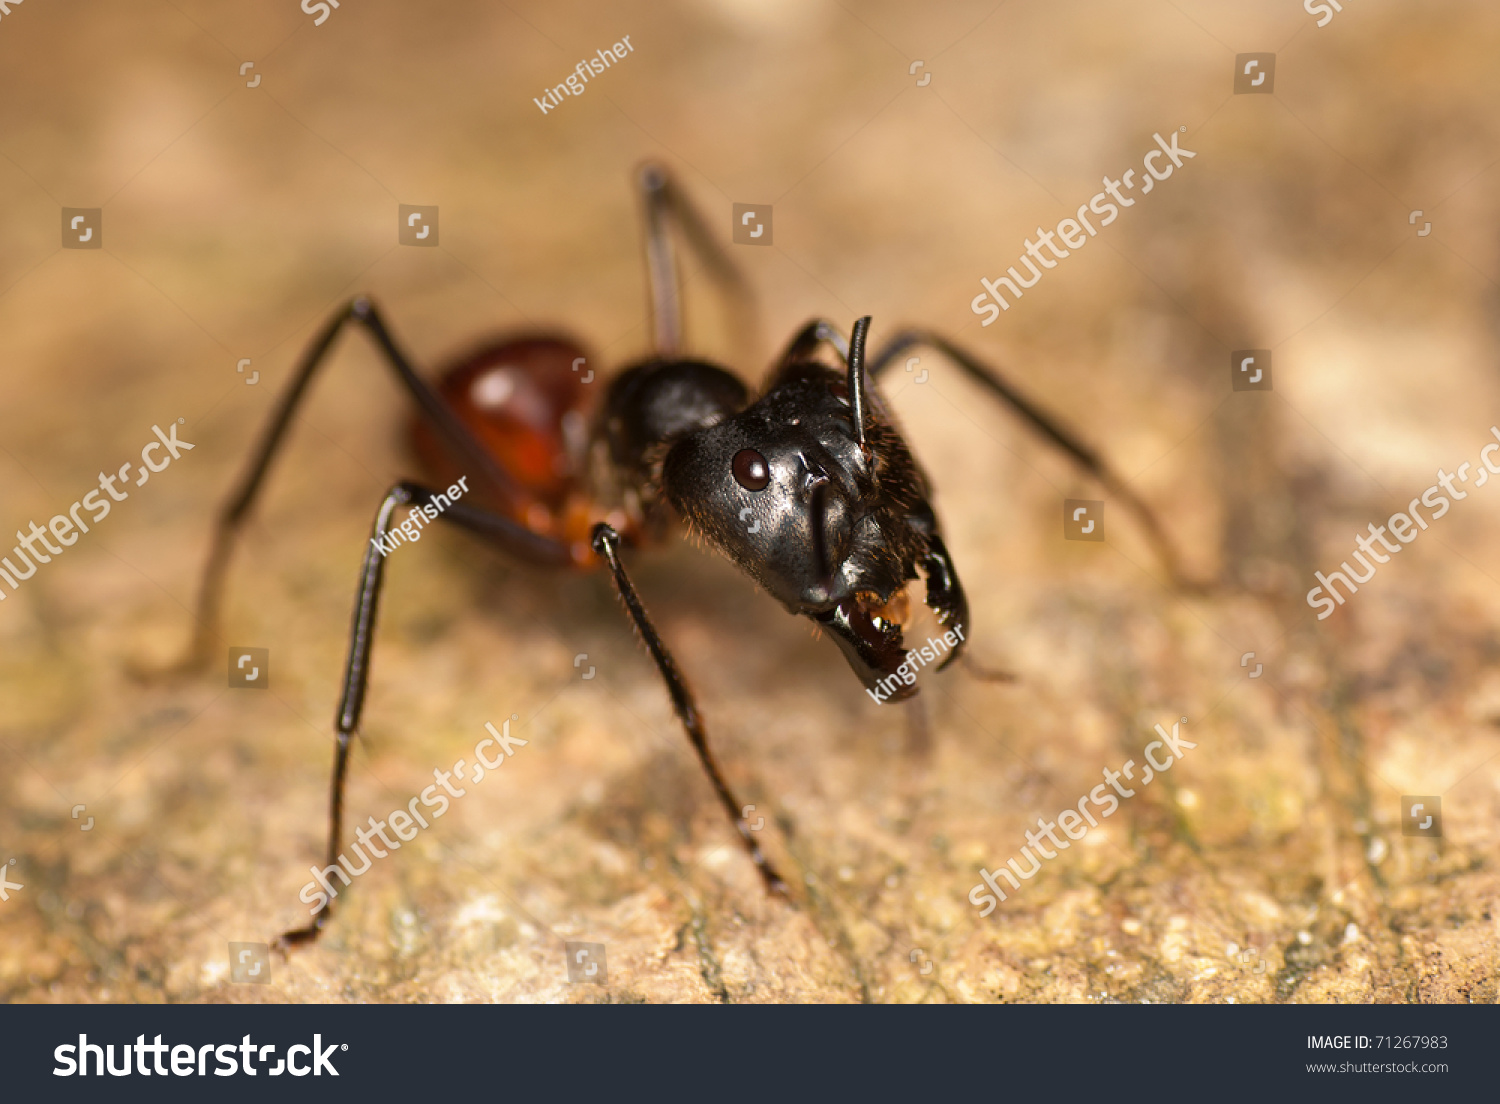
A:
[(530, 403)]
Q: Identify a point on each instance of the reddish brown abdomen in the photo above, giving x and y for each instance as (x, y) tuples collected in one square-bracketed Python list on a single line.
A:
[(527, 404)]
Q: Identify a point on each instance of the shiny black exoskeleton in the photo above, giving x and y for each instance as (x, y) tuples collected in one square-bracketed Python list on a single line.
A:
[(810, 489)]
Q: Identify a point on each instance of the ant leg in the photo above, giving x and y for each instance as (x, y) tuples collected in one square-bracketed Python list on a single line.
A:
[(1051, 429), (918, 734), (606, 544), (976, 670), (800, 349), (494, 528), (664, 200), (460, 443)]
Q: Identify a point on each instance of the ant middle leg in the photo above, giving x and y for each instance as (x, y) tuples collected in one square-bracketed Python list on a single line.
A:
[(496, 529)]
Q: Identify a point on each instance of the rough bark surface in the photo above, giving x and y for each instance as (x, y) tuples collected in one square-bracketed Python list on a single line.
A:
[(1268, 864)]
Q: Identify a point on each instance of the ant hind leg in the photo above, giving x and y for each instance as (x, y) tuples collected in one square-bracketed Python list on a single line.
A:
[(665, 205), (456, 439)]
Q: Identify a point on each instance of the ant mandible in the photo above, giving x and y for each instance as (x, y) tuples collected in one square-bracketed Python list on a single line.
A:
[(810, 489)]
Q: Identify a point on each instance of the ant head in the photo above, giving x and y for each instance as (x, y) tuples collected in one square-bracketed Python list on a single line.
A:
[(814, 493)]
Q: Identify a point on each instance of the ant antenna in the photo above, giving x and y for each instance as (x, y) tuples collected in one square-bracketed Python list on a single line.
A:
[(857, 378)]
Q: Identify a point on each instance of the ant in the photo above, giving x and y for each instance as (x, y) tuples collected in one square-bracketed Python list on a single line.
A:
[(810, 488)]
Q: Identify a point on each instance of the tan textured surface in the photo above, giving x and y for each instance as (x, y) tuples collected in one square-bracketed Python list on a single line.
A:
[(236, 218)]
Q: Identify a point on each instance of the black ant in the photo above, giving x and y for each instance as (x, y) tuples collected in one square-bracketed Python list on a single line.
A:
[(810, 488)]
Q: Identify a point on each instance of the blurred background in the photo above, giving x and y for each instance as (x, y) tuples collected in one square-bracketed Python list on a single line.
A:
[(1346, 221)]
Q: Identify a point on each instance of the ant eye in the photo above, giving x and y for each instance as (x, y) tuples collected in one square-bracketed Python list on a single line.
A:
[(750, 470)]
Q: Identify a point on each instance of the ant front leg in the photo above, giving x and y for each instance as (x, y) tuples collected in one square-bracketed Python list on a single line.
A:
[(496, 529), (606, 544)]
